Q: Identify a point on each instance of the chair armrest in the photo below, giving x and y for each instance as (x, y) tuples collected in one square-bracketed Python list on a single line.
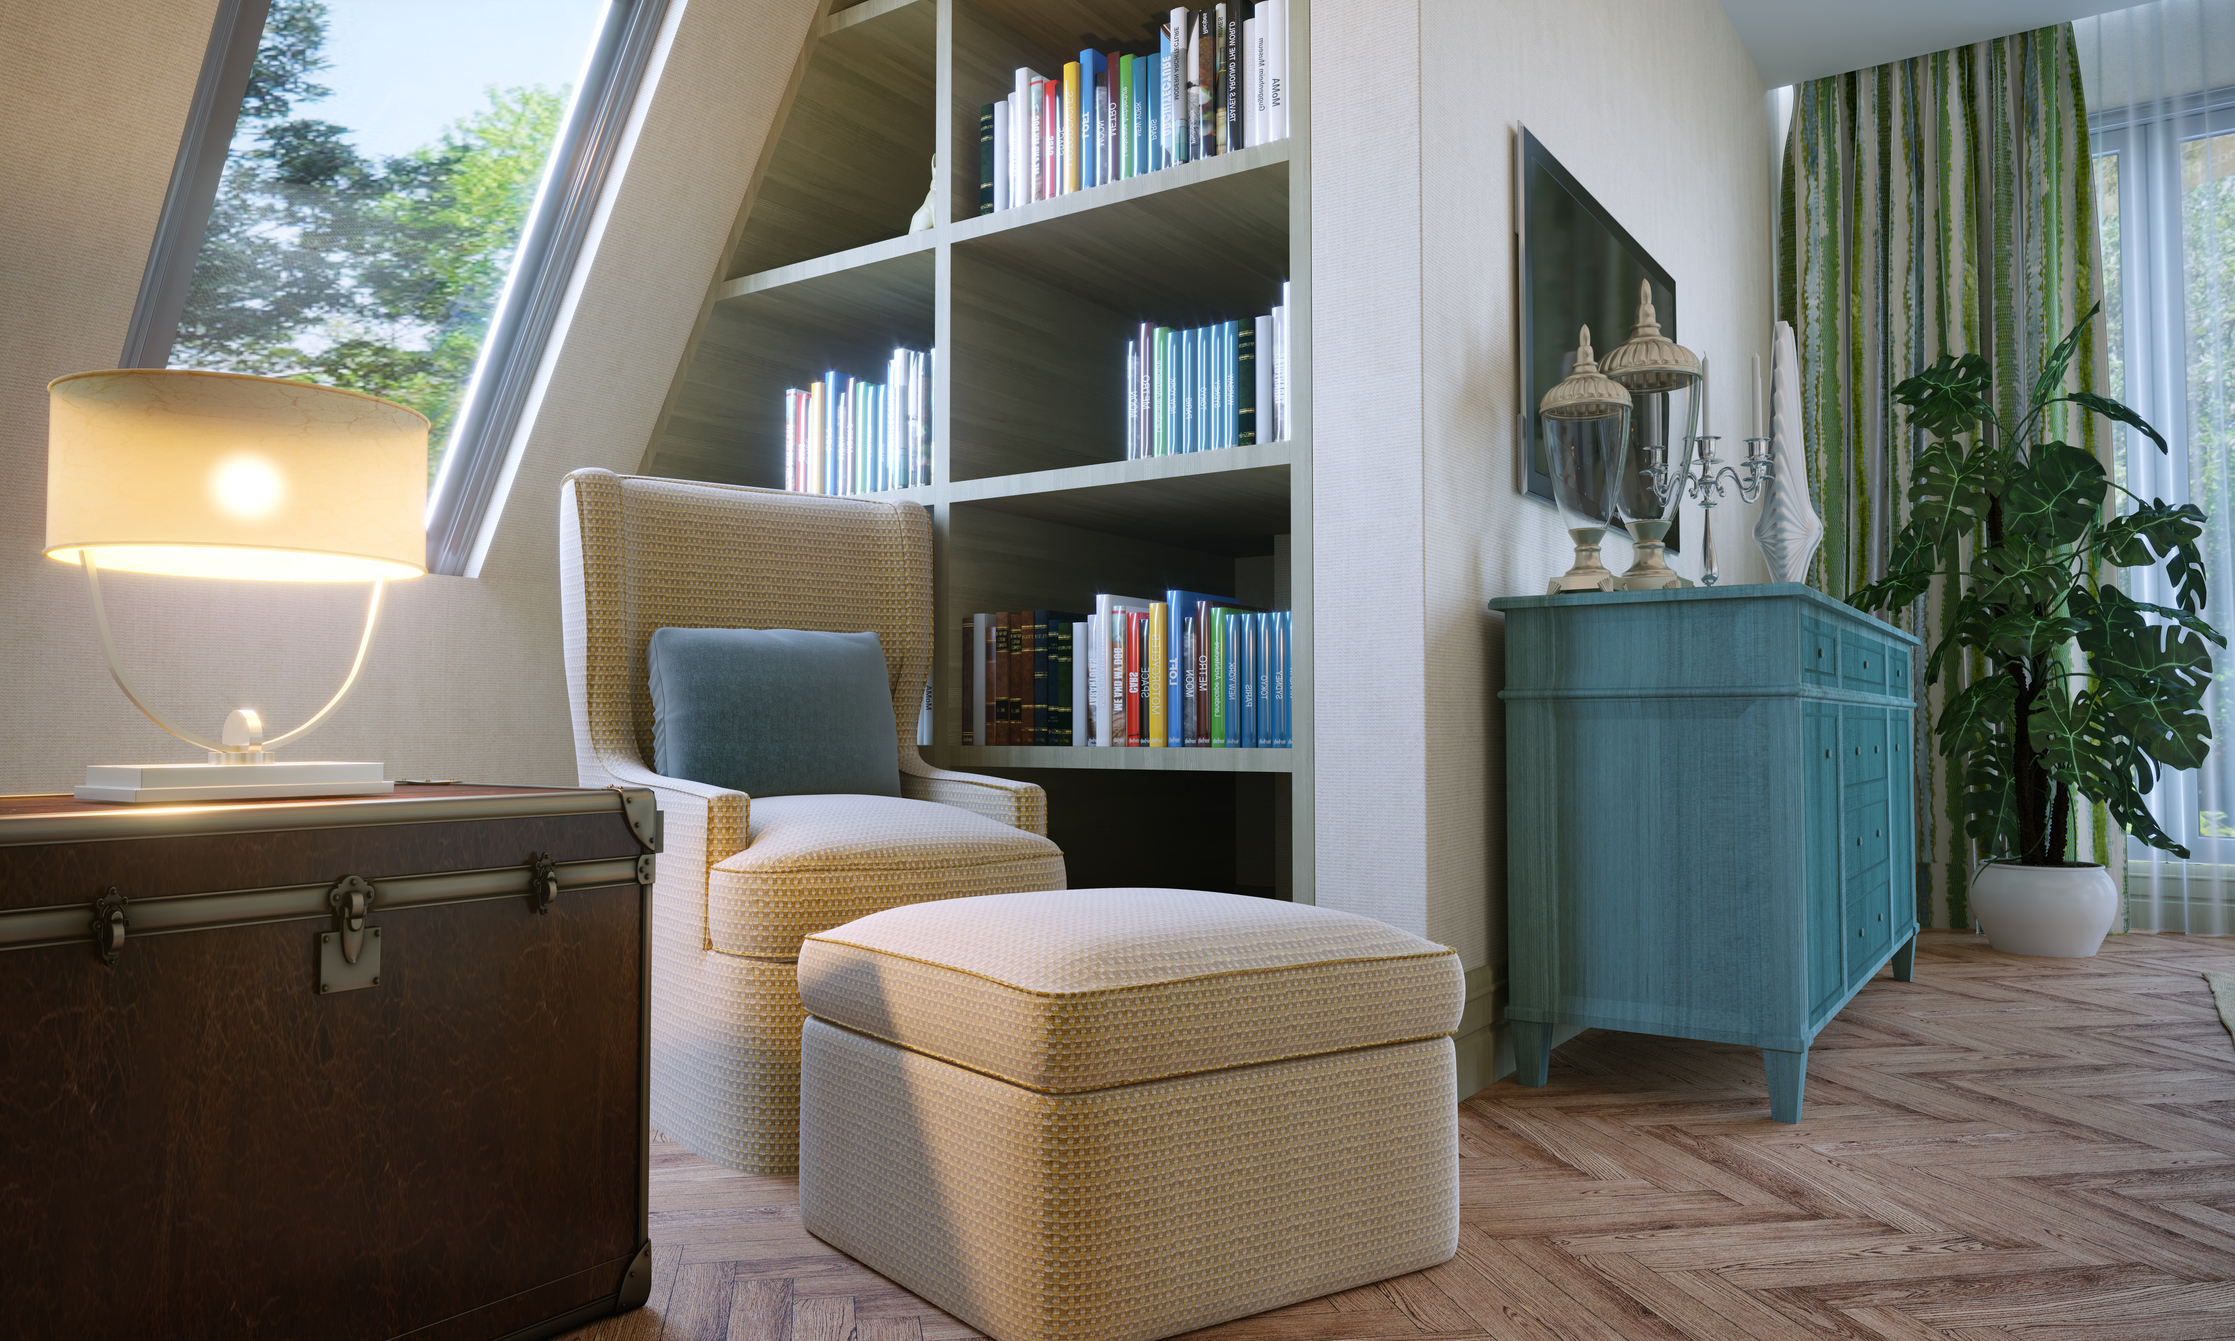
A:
[(1020, 805), (699, 826)]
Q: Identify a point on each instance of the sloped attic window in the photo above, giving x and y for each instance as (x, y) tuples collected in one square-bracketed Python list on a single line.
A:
[(389, 196)]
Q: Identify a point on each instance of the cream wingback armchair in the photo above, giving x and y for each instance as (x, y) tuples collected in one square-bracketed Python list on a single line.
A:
[(742, 881)]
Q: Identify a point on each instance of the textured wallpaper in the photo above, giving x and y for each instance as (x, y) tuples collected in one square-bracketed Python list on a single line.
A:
[(1418, 519)]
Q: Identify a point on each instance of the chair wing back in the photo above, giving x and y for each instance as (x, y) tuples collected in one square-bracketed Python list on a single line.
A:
[(640, 554)]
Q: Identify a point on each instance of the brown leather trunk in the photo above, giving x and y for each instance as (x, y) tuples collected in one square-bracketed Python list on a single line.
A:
[(450, 1142)]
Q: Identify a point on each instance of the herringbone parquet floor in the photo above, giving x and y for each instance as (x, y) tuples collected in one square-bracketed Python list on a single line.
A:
[(2005, 1148)]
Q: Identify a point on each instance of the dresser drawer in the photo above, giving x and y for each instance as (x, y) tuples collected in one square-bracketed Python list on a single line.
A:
[(1862, 663), (1819, 652), (1862, 745)]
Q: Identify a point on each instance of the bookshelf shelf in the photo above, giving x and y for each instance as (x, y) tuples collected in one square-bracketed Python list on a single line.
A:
[(1032, 502), (974, 757), (1232, 506)]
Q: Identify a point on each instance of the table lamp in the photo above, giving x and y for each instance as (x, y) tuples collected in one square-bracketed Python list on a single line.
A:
[(220, 475)]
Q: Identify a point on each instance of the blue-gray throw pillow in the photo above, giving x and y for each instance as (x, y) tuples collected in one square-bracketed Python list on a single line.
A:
[(773, 712)]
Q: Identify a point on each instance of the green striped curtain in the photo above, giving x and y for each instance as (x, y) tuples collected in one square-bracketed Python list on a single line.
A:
[(1938, 205)]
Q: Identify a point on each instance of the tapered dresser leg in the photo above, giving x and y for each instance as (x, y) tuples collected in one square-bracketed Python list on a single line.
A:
[(1905, 962), (1532, 1052), (1788, 1076)]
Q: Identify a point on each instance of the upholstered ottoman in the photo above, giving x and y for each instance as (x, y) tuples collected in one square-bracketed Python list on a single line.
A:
[(1118, 1114)]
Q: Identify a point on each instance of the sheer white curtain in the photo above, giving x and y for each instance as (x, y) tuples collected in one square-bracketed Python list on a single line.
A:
[(2160, 86)]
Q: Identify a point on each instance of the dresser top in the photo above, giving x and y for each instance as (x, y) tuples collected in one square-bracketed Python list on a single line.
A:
[(1751, 591)]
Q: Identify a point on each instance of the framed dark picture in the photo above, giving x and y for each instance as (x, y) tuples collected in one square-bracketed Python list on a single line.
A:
[(1580, 268)]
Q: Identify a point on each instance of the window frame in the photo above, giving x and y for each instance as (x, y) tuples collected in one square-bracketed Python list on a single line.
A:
[(478, 461)]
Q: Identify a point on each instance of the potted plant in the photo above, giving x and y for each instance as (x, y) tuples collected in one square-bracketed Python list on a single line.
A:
[(2077, 688)]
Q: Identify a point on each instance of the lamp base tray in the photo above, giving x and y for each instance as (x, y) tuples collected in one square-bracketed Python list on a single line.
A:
[(158, 784)]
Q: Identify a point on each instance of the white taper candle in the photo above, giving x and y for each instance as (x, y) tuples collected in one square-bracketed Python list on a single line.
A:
[(1759, 431)]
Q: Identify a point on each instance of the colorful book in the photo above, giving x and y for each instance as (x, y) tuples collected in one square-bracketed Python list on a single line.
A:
[(1067, 133), (1094, 116), (1181, 606), (1106, 667), (1122, 99), (1155, 686), (1144, 114)]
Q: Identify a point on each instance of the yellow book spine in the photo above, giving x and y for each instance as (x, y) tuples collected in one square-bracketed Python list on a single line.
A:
[(1071, 107), (1152, 672)]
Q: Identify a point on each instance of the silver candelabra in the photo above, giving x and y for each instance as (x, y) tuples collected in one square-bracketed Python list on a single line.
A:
[(1707, 481)]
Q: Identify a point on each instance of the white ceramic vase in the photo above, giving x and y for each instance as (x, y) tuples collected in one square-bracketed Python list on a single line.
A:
[(1788, 530), (2059, 912)]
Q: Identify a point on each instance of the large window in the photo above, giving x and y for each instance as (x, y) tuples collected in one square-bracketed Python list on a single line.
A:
[(387, 196), (2166, 199)]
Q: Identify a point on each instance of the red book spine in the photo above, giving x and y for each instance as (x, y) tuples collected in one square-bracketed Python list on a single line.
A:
[(1133, 679), (1051, 119)]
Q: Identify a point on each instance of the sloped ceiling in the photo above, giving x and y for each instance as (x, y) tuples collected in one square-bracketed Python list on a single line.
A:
[(1793, 40)]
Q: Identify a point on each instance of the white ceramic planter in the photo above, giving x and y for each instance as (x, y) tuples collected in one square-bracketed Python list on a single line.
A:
[(2060, 912)]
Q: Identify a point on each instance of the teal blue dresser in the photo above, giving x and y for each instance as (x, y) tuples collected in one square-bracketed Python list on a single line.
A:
[(1708, 817)]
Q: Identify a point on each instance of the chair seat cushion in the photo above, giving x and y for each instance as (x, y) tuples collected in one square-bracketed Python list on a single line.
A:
[(1068, 991), (813, 862)]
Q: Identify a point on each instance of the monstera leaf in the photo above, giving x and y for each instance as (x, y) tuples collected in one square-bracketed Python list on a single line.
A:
[(1950, 396), (2054, 497), (2083, 691)]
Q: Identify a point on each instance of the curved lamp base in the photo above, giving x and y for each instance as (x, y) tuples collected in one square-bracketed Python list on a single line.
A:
[(240, 764)]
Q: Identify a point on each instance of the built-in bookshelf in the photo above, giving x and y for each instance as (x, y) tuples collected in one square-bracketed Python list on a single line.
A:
[(1032, 499)]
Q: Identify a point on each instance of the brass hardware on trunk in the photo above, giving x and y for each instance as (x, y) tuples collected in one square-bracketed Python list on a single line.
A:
[(543, 882), (646, 866), (351, 898), (642, 810), (109, 925), (636, 1284)]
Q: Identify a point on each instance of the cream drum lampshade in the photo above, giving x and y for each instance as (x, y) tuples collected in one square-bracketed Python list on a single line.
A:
[(204, 474), (201, 474)]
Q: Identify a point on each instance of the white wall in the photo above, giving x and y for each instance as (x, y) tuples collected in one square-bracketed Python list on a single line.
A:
[(465, 679), (1658, 112)]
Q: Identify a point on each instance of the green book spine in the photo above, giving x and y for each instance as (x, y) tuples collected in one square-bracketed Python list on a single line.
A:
[(1218, 677), (985, 159), (1163, 407)]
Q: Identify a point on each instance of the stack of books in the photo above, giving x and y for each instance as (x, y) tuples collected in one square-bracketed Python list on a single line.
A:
[(1217, 82), (1213, 386), (844, 435), (1189, 670)]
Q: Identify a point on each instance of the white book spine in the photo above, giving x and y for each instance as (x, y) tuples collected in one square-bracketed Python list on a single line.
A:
[(1175, 89), (1097, 673), (1078, 685), (1253, 85), (1020, 137), (1276, 67)]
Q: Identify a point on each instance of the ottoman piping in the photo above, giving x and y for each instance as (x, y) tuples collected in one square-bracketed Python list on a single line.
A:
[(1443, 952), (1144, 1080)]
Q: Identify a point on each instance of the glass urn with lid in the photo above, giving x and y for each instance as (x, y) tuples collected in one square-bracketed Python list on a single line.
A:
[(1585, 420)]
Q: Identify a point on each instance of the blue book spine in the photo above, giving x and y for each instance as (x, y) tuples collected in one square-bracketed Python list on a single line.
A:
[(1288, 665), (1268, 720), (1249, 681), (1093, 71), (1187, 391)]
